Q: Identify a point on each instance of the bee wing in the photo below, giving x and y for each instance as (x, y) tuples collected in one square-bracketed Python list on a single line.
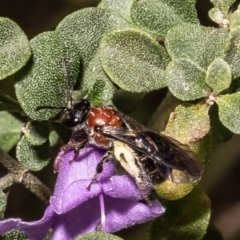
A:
[(163, 150)]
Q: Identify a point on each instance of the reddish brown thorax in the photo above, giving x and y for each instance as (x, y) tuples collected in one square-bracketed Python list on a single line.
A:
[(102, 116)]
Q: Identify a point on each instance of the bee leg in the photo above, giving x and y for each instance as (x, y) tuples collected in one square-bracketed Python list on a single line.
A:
[(135, 169), (99, 167), (75, 147)]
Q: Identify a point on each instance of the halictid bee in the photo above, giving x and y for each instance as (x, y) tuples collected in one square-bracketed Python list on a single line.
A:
[(147, 156)]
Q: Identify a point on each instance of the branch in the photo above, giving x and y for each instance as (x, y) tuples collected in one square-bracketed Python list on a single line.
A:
[(19, 174)]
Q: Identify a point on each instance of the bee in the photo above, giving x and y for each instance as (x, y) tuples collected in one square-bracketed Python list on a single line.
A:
[(149, 157)]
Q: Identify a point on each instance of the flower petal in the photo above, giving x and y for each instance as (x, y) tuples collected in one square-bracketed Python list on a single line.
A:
[(122, 213), (82, 168), (122, 187)]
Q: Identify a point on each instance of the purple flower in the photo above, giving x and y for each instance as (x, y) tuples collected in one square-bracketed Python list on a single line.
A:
[(111, 204)]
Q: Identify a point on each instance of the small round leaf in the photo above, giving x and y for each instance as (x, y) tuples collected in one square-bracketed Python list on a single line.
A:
[(33, 157), (158, 16), (229, 111), (133, 60), (219, 75), (233, 54), (10, 129), (87, 26), (96, 82), (122, 7), (199, 44), (219, 133), (235, 21), (223, 4), (14, 48), (42, 82), (188, 123), (186, 80), (36, 132)]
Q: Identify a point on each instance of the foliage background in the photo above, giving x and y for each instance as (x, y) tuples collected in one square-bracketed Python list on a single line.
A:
[(220, 181)]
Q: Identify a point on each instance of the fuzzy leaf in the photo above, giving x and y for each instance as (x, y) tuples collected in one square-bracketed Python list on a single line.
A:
[(133, 60), (186, 80), (36, 132), (42, 81), (3, 204), (33, 157), (217, 16), (219, 75), (235, 21), (188, 123), (229, 111), (198, 44), (219, 133), (10, 129), (158, 16), (87, 26), (63, 132), (127, 101), (222, 4), (233, 54), (14, 234), (96, 82), (122, 7), (186, 218), (14, 48), (8, 104), (98, 236)]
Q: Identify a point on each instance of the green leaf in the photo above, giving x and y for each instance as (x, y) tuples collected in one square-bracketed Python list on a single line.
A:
[(87, 26), (158, 16), (8, 104), (3, 204), (33, 157), (219, 75), (133, 60), (63, 132), (218, 16), (233, 54), (186, 218), (223, 4), (198, 44), (36, 132), (229, 111), (14, 234), (96, 82), (98, 236), (14, 48), (42, 81), (219, 133), (127, 101), (235, 21), (122, 7), (188, 123), (10, 129), (186, 80), (101, 92)]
